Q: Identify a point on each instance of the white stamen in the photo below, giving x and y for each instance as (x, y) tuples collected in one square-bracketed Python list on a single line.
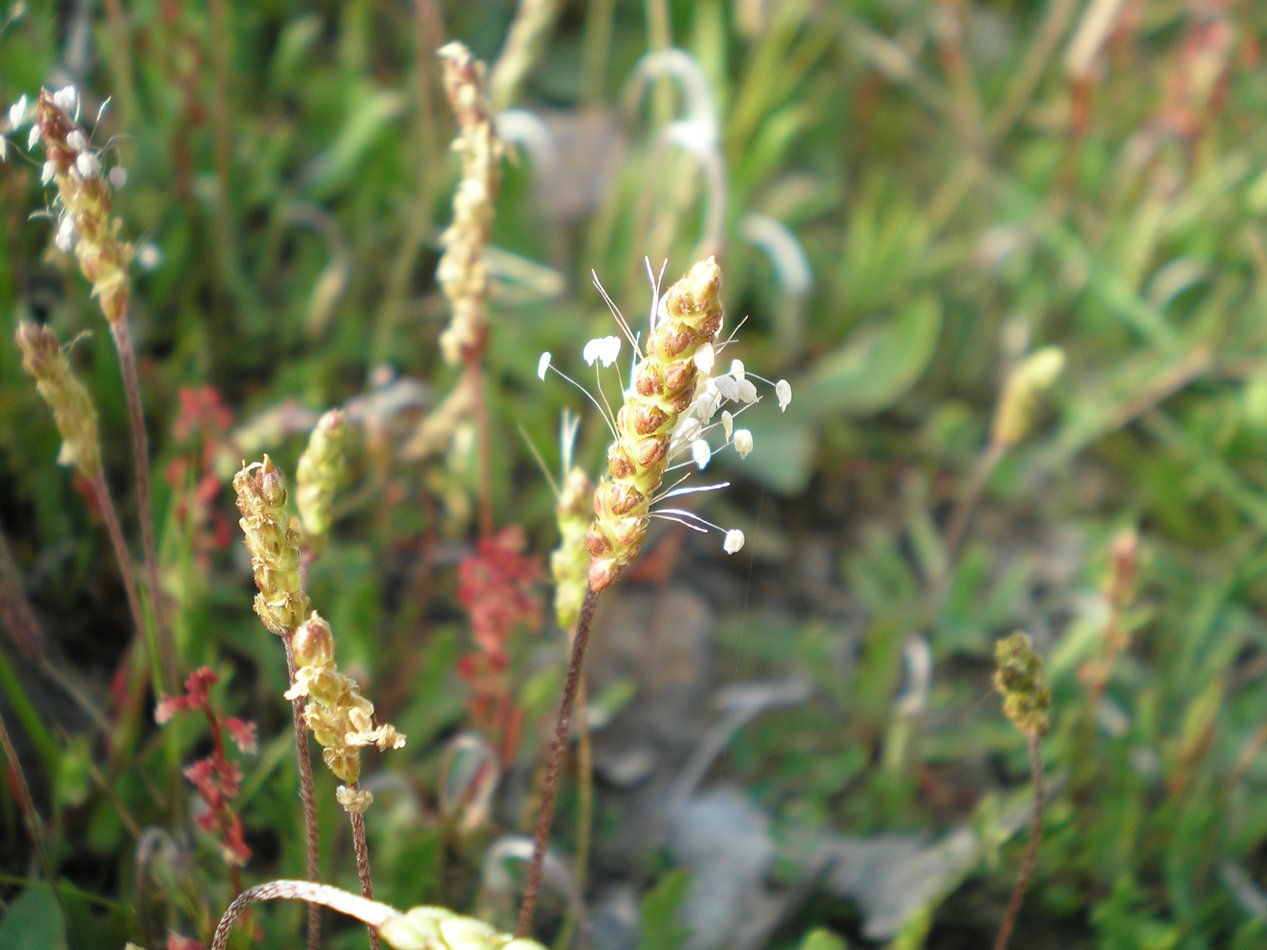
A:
[(4, 148), (783, 393), (727, 423), (17, 113), (700, 453), (87, 165), (704, 358), (733, 541), (32, 137), (65, 234), (743, 442), (543, 364), (76, 140), (747, 391), (605, 349), (736, 369), (118, 177), (46, 173), (66, 98)]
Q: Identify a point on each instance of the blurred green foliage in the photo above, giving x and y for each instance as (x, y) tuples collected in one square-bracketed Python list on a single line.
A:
[(907, 198)]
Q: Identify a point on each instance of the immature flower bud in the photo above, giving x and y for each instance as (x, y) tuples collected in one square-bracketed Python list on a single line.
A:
[(72, 407), (319, 475), (570, 561), (1019, 677), (1035, 374), (313, 643)]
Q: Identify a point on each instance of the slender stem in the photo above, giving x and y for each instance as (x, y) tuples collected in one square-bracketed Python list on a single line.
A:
[(15, 610), (141, 452), (110, 515), (29, 814), (571, 686), (308, 793), (986, 465), (585, 768), (371, 913), (363, 866), (1031, 850), (475, 379)]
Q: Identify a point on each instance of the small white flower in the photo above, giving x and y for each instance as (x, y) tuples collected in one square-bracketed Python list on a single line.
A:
[(46, 173), (17, 113), (783, 393), (700, 453), (727, 423), (88, 165), (704, 358), (32, 137), (733, 541), (543, 364), (743, 442), (148, 256), (66, 98), (604, 349), (76, 140), (118, 177), (65, 234)]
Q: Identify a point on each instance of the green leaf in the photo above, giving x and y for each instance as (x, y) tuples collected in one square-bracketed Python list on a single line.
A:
[(877, 367), (34, 921), (660, 927), (822, 939)]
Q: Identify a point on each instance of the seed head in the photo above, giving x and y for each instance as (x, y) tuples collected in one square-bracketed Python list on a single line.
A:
[(272, 539), (73, 411), (318, 476), (1018, 676)]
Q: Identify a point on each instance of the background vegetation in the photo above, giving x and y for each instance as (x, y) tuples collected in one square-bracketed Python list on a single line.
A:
[(907, 197)]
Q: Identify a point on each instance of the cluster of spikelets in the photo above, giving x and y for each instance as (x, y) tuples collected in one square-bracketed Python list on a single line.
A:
[(73, 411), (462, 272), (339, 717), (319, 474), (1018, 676), (570, 561), (84, 195)]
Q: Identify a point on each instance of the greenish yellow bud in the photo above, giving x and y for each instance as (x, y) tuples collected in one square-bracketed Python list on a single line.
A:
[(1018, 676), (1035, 374), (570, 561), (319, 475), (72, 407), (313, 642)]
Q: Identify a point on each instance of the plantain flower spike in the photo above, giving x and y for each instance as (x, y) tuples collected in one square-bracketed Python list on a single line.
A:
[(272, 538), (338, 716), (84, 198), (319, 475), (1018, 675), (570, 561), (664, 386), (462, 271), (73, 411)]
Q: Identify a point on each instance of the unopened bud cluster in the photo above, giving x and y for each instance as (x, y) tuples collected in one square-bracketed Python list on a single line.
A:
[(318, 476), (462, 271), (1018, 676), (570, 561), (339, 717), (73, 411), (84, 195)]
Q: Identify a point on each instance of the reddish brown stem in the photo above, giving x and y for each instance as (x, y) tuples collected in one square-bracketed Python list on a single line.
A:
[(475, 379), (363, 866), (1031, 850), (145, 514), (307, 791), (114, 531), (571, 686)]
